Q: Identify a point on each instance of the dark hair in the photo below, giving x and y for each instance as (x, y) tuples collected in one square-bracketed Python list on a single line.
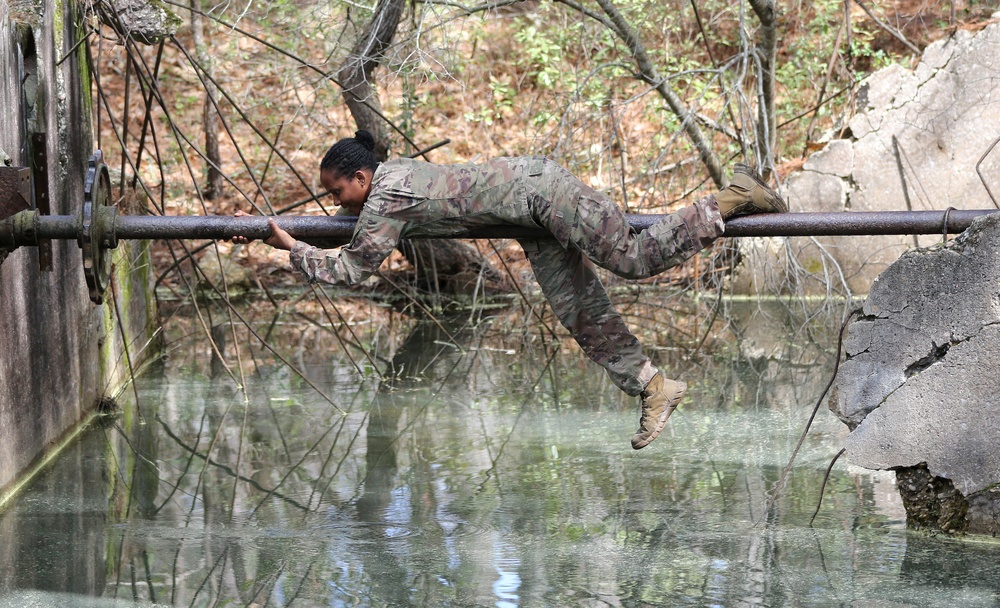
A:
[(351, 154)]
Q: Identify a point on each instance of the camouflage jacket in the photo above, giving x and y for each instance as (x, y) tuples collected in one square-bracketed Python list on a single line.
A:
[(412, 198)]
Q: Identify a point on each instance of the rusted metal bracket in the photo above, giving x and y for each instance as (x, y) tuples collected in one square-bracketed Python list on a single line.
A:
[(40, 179), (16, 187), (15, 195), (15, 190)]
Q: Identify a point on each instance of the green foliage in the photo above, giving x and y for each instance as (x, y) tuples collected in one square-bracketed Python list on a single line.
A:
[(542, 55), (861, 48), (502, 95)]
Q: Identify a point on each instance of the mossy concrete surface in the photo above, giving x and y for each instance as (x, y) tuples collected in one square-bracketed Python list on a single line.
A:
[(61, 354)]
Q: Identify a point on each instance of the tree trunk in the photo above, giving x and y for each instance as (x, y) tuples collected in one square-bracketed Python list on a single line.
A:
[(209, 117), (767, 131), (356, 75), (442, 266)]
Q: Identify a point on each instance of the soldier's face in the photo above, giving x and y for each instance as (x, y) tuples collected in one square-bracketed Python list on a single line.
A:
[(349, 192)]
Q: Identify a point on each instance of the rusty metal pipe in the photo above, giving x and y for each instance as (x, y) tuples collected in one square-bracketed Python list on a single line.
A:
[(848, 223), (320, 228), (869, 223), (785, 224)]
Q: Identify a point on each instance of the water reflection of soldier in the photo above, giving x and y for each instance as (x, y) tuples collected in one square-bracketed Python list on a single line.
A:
[(406, 198)]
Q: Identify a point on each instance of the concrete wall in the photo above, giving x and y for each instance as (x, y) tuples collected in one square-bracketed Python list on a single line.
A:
[(60, 354)]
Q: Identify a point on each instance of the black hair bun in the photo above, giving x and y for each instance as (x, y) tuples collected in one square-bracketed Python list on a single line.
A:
[(366, 139)]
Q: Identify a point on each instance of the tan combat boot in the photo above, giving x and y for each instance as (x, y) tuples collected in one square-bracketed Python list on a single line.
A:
[(659, 400), (747, 193)]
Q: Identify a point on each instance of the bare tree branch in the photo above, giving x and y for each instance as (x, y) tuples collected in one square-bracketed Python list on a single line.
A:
[(647, 71), (892, 31)]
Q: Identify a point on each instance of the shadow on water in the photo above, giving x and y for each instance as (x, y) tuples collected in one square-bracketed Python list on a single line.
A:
[(483, 465)]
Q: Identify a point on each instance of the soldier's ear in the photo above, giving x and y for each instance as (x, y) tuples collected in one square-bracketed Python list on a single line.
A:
[(361, 176)]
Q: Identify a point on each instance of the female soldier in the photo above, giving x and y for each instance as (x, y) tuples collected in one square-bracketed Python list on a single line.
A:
[(406, 198)]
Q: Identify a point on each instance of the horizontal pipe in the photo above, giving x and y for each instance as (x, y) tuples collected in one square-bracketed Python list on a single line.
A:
[(771, 224), (855, 223), (325, 228)]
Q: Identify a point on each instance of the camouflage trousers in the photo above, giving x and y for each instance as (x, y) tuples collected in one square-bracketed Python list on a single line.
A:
[(591, 229)]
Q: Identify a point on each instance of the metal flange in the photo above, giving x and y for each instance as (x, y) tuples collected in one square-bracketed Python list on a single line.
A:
[(96, 230), (15, 190)]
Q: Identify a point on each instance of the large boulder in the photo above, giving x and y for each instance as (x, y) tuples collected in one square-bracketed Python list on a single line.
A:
[(913, 144), (920, 387)]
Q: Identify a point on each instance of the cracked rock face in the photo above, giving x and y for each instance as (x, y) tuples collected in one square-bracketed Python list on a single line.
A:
[(921, 382)]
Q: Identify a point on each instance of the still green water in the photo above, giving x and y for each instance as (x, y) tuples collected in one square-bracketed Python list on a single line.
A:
[(491, 467)]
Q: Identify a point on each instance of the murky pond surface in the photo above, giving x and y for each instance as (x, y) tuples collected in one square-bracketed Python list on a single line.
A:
[(490, 468)]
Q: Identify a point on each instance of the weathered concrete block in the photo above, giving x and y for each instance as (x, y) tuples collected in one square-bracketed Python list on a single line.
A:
[(919, 385), (823, 190), (837, 158), (912, 145)]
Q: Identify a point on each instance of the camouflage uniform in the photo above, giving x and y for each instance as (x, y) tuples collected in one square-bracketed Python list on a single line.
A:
[(416, 199)]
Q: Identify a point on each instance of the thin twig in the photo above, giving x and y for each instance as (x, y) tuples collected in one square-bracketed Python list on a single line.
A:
[(892, 31), (788, 467), (822, 487), (983, 177)]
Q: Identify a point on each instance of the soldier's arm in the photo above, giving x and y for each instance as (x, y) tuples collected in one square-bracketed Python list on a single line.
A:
[(374, 239)]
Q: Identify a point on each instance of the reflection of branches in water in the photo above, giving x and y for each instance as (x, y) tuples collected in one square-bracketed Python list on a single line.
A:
[(187, 466), (228, 470), (229, 306), (776, 491), (340, 463), (208, 575), (411, 364), (193, 451), (353, 344), (148, 79), (295, 467), (495, 459), (397, 487), (323, 301)]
